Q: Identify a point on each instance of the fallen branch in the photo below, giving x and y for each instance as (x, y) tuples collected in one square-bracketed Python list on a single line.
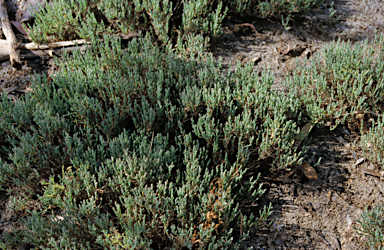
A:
[(11, 38), (34, 54), (36, 46), (34, 50)]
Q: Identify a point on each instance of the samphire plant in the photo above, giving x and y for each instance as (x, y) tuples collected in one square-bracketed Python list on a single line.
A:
[(154, 146), (148, 146), (340, 84), (372, 225), (175, 23), (372, 221), (372, 143), (138, 148), (342, 81), (283, 9)]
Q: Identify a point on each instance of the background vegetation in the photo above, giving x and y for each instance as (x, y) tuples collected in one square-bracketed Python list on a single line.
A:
[(183, 25)]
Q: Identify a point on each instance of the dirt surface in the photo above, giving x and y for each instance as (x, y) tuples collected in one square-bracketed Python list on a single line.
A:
[(307, 214), (321, 215)]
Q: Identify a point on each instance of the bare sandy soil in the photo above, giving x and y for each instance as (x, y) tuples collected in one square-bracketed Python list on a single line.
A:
[(307, 214)]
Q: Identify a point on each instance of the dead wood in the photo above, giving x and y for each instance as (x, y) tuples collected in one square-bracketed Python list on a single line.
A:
[(14, 53), (35, 46), (38, 53)]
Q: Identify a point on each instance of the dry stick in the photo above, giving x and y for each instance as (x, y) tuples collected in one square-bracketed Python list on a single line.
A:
[(241, 225), (14, 53), (33, 54), (47, 47), (52, 45), (33, 50), (252, 27), (326, 242), (35, 46)]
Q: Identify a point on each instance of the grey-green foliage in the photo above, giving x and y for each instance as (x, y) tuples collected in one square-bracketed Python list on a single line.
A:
[(271, 8), (372, 143), (333, 15), (171, 23), (139, 147), (341, 80), (177, 22), (372, 221), (372, 225)]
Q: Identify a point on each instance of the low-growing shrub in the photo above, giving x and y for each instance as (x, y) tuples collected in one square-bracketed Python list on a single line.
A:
[(343, 80), (175, 23), (372, 143), (372, 221), (372, 226), (271, 8), (184, 23), (139, 148), (342, 83)]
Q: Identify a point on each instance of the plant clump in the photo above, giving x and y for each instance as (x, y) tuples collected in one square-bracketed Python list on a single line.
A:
[(153, 145), (372, 221), (372, 143), (176, 23), (271, 8), (372, 225), (343, 84), (138, 147), (342, 81)]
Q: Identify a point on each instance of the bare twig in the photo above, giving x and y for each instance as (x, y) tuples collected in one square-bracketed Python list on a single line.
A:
[(325, 242), (26, 54), (371, 172), (44, 46), (252, 27), (241, 225), (177, 6), (14, 53), (35, 46), (285, 51)]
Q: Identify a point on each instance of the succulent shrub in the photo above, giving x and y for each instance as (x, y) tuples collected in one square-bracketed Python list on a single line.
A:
[(372, 226), (138, 147), (172, 23), (341, 81), (271, 8), (168, 22), (372, 143), (372, 221)]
